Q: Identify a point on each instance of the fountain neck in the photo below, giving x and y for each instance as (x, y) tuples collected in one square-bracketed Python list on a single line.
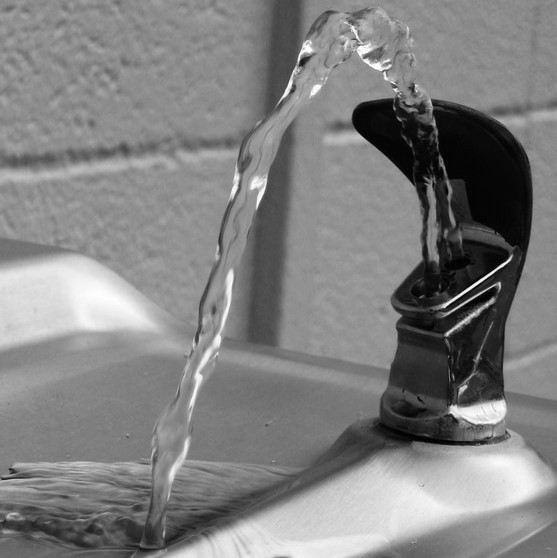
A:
[(446, 380)]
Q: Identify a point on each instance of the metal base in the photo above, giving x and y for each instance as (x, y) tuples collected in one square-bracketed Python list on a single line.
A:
[(376, 493), (482, 422)]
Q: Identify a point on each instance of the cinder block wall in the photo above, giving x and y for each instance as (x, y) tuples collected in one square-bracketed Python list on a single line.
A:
[(121, 122)]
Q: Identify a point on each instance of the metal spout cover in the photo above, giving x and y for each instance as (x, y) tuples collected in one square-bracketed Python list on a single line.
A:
[(446, 380)]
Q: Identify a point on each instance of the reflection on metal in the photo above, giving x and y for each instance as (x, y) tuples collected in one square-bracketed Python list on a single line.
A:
[(378, 494)]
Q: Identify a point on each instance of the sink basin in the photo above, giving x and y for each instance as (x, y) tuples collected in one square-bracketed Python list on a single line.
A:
[(88, 363)]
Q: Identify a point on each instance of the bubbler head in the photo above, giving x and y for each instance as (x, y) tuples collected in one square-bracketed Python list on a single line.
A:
[(446, 380)]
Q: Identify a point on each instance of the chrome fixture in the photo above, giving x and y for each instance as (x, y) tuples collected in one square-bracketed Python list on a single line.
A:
[(446, 380)]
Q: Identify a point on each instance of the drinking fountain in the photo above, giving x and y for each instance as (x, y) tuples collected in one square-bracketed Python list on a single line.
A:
[(419, 462), (439, 472)]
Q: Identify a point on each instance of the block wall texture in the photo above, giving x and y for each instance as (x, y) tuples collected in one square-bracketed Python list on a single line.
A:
[(121, 122)]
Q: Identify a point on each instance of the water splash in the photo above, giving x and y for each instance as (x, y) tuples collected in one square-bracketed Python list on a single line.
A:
[(385, 45)]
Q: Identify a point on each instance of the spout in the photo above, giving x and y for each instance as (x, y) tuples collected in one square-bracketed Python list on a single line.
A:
[(446, 381)]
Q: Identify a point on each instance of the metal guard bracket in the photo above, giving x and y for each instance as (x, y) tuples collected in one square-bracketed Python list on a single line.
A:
[(446, 379)]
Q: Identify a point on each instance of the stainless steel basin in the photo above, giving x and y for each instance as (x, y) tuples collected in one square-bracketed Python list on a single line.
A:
[(87, 363)]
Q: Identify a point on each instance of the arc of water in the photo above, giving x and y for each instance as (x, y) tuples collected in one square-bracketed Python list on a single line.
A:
[(384, 45)]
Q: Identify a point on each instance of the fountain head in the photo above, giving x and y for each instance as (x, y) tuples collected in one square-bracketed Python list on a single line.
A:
[(446, 380)]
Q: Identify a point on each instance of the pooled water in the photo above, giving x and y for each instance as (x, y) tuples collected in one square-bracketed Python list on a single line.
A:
[(110, 516), (104, 505)]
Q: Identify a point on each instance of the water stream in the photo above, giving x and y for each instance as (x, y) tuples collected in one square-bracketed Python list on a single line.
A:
[(385, 45)]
